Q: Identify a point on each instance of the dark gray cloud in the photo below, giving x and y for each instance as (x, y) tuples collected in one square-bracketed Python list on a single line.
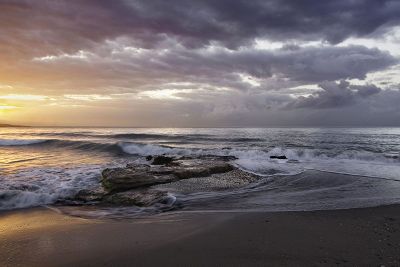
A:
[(67, 26), (202, 62), (235, 22), (151, 69), (335, 95), (32, 28)]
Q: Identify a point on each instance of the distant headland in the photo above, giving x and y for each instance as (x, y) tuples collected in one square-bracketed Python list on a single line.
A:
[(11, 125)]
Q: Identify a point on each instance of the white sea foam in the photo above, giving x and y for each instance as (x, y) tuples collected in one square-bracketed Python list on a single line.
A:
[(40, 186), (258, 153), (258, 160), (150, 149), (355, 162), (14, 199)]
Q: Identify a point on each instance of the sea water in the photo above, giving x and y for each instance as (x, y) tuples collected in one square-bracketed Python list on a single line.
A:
[(41, 166)]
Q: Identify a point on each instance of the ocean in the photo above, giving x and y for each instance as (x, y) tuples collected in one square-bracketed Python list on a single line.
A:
[(326, 168)]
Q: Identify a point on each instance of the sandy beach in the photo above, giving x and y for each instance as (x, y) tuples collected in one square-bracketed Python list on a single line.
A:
[(355, 237)]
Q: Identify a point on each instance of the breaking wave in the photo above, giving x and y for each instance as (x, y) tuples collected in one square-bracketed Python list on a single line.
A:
[(32, 187), (16, 199), (21, 142), (151, 136), (245, 156)]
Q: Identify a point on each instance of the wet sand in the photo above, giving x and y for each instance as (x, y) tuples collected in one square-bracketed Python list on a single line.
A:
[(355, 237)]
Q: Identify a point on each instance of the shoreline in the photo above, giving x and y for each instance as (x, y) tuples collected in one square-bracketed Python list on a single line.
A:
[(361, 236)]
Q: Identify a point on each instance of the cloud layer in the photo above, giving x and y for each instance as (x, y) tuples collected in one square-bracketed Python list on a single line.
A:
[(199, 63)]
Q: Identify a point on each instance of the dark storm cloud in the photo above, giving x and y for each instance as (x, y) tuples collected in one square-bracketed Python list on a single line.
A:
[(236, 22), (152, 69), (202, 62), (310, 64), (60, 25), (335, 95), (32, 29)]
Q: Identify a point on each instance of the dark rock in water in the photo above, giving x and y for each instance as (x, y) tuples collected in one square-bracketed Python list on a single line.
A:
[(135, 176), (391, 156), (138, 167), (148, 158), (278, 157), (86, 195), (162, 160), (141, 198), (119, 179), (144, 185)]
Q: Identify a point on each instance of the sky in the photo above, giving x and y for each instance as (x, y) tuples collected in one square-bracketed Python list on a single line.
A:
[(200, 63)]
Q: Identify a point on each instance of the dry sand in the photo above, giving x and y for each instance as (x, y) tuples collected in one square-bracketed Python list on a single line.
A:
[(355, 237)]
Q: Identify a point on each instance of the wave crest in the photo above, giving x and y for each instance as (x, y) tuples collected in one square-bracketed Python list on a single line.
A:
[(16, 199), (21, 142), (149, 149)]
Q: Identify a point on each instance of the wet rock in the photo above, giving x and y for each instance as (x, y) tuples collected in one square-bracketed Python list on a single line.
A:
[(119, 179), (86, 195), (138, 167), (162, 160), (278, 157), (391, 156), (141, 198), (135, 176), (148, 158)]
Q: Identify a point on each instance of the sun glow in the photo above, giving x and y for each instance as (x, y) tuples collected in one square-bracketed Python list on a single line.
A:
[(23, 97), (7, 107)]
